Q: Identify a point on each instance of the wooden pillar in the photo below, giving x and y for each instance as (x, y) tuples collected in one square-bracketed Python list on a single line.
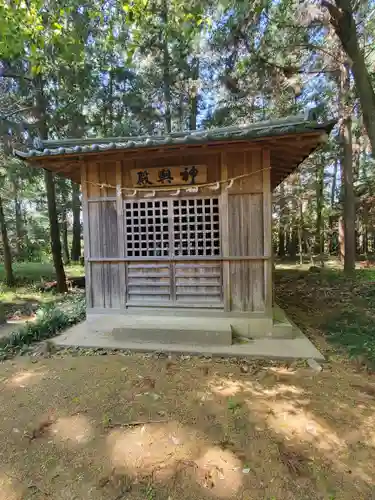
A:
[(225, 233), (121, 234), (86, 235), (267, 225)]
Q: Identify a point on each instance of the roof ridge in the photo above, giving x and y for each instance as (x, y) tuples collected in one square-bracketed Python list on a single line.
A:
[(254, 132), (40, 144)]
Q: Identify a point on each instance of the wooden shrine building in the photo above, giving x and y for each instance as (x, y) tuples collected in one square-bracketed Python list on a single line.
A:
[(179, 226)]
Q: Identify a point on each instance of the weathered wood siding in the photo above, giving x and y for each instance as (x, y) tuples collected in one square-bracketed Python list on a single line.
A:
[(234, 278), (246, 205)]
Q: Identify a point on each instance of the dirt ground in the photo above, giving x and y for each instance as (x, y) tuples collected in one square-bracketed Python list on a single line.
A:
[(147, 427)]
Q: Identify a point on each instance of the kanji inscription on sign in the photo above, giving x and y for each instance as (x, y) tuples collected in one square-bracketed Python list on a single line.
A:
[(183, 175)]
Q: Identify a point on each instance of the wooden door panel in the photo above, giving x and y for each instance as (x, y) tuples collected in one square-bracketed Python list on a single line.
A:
[(171, 230)]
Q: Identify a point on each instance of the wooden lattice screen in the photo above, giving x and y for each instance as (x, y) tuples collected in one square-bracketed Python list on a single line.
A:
[(168, 228), (147, 228)]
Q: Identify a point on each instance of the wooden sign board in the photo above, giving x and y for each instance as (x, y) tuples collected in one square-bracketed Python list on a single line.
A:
[(183, 175)]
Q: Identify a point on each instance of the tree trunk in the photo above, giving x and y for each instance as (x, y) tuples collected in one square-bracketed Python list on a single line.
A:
[(288, 243), (293, 244), (76, 208), (347, 174), (166, 71), (341, 240), (194, 94), (365, 230), (181, 109), (111, 102), (300, 226), (300, 245), (54, 233), (281, 249), (9, 277), (319, 241), (331, 244), (344, 24), (50, 189), (18, 220), (65, 244)]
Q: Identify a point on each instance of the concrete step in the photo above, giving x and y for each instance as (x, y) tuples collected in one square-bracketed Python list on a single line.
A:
[(193, 337), (248, 326), (84, 335)]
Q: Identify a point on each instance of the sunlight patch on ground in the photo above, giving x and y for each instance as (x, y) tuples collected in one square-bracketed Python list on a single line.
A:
[(282, 409), (220, 472), (25, 378), (278, 390), (150, 447), (76, 429), (294, 422), (331, 264), (364, 434), (226, 387), (165, 450), (281, 370), (8, 488)]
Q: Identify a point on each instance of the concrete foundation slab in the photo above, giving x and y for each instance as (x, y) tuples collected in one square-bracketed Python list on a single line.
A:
[(169, 336), (252, 325), (89, 335)]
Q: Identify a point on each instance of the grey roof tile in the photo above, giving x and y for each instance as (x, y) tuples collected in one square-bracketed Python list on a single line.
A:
[(290, 125)]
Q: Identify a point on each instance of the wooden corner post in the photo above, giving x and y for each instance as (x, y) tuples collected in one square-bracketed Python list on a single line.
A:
[(267, 226), (121, 234), (224, 216), (86, 235)]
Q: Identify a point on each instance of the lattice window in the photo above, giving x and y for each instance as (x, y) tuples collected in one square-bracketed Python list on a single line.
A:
[(191, 224), (146, 226), (196, 228)]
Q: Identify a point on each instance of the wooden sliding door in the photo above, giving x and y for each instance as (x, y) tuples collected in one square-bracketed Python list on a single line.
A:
[(170, 249)]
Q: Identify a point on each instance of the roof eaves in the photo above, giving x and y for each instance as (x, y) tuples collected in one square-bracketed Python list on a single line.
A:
[(253, 131)]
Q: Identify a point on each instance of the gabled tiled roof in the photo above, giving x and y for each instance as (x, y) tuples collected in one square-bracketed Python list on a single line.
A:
[(272, 128)]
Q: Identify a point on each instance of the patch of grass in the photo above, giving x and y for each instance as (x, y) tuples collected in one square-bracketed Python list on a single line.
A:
[(35, 272), (50, 319), (26, 296), (355, 330), (341, 307), (233, 404)]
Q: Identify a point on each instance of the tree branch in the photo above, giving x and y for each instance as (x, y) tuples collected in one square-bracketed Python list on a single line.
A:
[(335, 13), (294, 69), (4, 117), (16, 76)]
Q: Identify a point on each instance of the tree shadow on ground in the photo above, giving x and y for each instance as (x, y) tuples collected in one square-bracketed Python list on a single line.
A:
[(201, 429)]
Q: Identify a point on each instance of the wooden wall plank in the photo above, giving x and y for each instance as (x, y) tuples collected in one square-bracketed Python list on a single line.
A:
[(149, 284), (103, 178), (93, 179), (246, 162), (121, 298), (267, 223), (225, 235), (110, 175), (96, 248), (256, 247), (246, 238), (197, 283), (86, 235), (115, 273), (103, 243)]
